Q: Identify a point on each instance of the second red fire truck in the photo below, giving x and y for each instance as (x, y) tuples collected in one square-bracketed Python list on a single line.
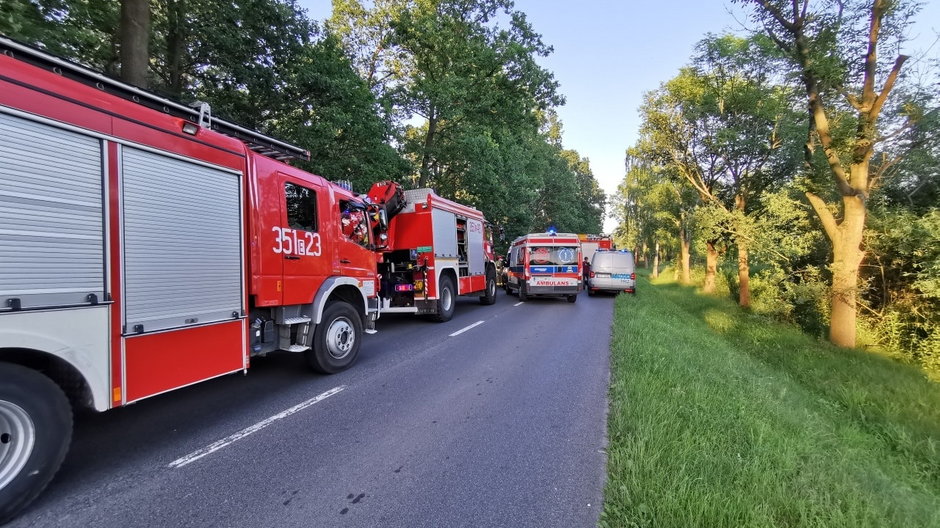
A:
[(436, 249)]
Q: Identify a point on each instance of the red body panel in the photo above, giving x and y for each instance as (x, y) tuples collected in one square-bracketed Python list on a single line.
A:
[(164, 361), (114, 242)]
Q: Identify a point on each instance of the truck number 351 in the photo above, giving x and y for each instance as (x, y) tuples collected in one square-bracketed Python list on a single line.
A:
[(296, 242)]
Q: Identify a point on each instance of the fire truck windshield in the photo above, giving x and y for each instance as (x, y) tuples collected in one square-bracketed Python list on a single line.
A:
[(553, 255)]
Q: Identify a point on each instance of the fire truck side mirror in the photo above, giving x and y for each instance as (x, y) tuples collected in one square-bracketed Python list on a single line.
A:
[(383, 219)]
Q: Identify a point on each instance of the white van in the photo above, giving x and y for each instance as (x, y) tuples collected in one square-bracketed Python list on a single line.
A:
[(613, 271)]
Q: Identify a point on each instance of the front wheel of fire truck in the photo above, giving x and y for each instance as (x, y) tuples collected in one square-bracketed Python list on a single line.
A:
[(336, 339), (35, 432), (446, 299), (489, 294)]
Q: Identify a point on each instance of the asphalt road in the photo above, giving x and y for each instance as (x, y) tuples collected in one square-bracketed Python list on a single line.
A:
[(502, 425)]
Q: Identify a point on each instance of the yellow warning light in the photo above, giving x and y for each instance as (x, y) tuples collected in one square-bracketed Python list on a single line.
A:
[(116, 395), (419, 285)]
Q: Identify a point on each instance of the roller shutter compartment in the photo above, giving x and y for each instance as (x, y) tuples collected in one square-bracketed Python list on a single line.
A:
[(51, 216), (182, 243)]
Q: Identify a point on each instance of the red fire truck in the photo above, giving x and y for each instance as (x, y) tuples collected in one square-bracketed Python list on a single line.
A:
[(434, 250), (591, 243), (545, 264), (146, 246)]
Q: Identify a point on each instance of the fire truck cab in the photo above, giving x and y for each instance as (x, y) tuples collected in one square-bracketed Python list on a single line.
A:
[(546, 264), (434, 250)]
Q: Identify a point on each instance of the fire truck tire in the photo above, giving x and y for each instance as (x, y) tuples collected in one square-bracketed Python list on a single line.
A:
[(572, 298), (446, 299), (336, 339), (35, 432), (523, 294), (489, 294)]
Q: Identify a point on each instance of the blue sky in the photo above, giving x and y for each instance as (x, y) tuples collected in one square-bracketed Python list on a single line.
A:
[(609, 52)]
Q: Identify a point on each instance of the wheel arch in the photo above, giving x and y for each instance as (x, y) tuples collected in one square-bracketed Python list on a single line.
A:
[(448, 272), (63, 373), (346, 289)]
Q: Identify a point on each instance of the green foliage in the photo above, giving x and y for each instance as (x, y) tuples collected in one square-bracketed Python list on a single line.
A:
[(474, 106), (904, 278), (712, 119), (719, 418), (81, 30)]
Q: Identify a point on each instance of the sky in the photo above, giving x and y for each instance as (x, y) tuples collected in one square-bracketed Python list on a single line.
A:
[(608, 53)]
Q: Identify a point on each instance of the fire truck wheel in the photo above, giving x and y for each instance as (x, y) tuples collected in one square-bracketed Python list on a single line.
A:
[(336, 339), (523, 294), (445, 299), (489, 295), (35, 432), (572, 298)]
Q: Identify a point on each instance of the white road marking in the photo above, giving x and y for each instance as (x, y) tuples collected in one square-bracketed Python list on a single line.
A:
[(462, 330), (518, 303), (212, 448)]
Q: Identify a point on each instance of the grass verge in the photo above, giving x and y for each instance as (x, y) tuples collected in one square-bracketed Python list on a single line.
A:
[(719, 418)]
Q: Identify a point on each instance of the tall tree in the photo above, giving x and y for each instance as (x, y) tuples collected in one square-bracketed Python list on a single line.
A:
[(748, 117), (811, 38)]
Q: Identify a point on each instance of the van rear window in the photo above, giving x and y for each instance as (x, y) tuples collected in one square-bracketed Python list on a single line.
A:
[(552, 255)]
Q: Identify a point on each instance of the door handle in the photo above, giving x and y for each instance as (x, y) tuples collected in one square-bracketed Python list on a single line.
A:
[(344, 261), (291, 257)]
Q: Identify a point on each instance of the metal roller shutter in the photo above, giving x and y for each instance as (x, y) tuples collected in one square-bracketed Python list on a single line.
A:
[(182, 242), (51, 217)]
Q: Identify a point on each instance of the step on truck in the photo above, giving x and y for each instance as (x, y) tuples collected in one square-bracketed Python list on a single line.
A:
[(146, 246), (545, 264), (432, 251)]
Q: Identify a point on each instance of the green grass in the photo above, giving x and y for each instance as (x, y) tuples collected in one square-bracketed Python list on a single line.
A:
[(719, 418)]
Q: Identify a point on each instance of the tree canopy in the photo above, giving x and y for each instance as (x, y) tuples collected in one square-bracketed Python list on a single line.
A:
[(440, 93)]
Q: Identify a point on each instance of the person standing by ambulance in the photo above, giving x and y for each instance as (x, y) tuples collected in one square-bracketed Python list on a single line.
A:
[(586, 270)]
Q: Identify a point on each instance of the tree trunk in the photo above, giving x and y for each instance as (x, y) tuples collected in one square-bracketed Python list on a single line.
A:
[(711, 266), (685, 256), (847, 256), (656, 261), (175, 42), (744, 276), (135, 40), (425, 175), (744, 270)]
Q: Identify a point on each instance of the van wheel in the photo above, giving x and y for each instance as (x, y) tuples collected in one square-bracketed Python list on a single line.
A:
[(446, 299), (591, 292), (336, 339), (572, 298), (523, 294), (35, 432), (489, 294)]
